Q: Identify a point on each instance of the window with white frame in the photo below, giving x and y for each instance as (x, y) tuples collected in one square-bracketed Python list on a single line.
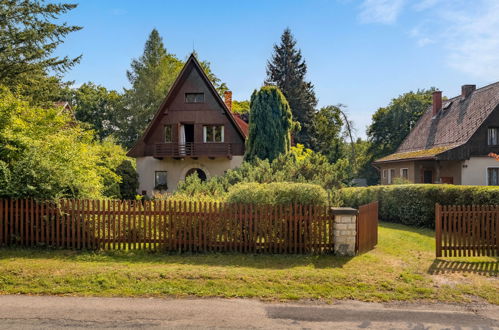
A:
[(492, 136), (493, 176), (404, 173), (384, 174), (213, 133)]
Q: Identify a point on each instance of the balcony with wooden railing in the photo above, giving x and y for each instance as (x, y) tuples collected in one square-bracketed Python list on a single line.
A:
[(195, 149)]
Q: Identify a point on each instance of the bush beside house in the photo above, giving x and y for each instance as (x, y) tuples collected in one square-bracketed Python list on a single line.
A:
[(415, 204), (277, 193)]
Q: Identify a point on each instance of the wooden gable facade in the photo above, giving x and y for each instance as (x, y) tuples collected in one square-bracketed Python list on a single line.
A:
[(187, 120)]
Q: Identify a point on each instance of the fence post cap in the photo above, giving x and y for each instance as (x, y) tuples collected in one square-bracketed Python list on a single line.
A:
[(344, 211)]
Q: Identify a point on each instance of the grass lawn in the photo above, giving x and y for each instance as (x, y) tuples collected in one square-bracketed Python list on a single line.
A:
[(402, 267)]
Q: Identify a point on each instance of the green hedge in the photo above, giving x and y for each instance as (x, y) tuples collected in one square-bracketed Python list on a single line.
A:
[(414, 204), (277, 193)]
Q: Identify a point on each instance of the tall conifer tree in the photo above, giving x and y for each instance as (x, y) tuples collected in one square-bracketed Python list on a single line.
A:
[(287, 71), (151, 76), (270, 125)]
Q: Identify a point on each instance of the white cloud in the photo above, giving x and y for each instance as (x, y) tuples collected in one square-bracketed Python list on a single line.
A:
[(380, 11), (472, 39), (467, 32), (425, 4)]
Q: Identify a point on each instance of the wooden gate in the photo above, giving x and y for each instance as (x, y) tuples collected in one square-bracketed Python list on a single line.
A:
[(367, 227), (467, 230)]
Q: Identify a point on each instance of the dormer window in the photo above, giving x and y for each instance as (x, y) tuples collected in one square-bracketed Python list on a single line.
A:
[(492, 136), (213, 133), (194, 97)]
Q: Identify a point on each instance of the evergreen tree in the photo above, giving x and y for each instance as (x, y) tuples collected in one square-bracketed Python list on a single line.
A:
[(29, 36), (287, 71), (270, 125), (151, 76)]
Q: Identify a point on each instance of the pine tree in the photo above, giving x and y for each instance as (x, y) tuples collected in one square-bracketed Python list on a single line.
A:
[(270, 125), (29, 35), (151, 76), (287, 71)]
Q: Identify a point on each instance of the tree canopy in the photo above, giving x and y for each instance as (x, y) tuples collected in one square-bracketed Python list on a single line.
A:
[(287, 70), (270, 125), (29, 35)]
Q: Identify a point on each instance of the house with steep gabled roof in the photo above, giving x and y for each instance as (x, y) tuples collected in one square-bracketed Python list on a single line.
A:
[(451, 141), (193, 132)]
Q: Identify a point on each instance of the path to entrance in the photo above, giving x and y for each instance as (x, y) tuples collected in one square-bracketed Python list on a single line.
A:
[(47, 312)]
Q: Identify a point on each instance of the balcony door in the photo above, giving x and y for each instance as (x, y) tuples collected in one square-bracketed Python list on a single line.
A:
[(185, 138)]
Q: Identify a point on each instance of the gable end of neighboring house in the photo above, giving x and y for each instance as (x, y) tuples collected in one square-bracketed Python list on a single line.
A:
[(193, 132), (451, 142)]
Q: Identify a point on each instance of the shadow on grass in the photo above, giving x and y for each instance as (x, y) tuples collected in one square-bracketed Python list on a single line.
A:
[(258, 261), (439, 267)]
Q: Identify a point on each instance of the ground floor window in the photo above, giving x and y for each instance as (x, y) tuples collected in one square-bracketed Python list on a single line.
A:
[(404, 173), (493, 176), (199, 172), (160, 182)]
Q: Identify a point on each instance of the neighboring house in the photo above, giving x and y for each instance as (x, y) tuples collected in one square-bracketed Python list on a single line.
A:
[(450, 142), (193, 131)]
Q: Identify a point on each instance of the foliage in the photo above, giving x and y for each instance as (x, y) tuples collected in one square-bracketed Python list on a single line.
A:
[(277, 193), (45, 154), (29, 36), (270, 125), (300, 165), (241, 107), (151, 77), (414, 204), (391, 124), (97, 106), (327, 126), (287, 71), (129, 179)]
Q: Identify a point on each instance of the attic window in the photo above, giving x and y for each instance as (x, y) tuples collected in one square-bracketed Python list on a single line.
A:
[(194, 97)]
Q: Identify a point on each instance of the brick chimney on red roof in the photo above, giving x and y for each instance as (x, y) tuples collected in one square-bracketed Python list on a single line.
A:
[(437, 102), (228, 99)]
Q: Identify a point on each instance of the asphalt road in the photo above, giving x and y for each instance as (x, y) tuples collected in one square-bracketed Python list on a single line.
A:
[(46, 312)]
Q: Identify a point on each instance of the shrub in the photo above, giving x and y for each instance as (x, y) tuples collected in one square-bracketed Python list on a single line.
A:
[(277, 193), (414, 204)]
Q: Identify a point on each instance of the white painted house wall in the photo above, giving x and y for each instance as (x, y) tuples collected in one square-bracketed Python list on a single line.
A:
[(177, 168), (474, 170)]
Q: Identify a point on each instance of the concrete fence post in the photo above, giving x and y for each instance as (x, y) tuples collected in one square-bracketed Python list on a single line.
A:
[(344, 230)]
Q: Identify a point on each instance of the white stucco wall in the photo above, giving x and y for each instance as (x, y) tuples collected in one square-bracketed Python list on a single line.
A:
[(474, 171), (177, 168)]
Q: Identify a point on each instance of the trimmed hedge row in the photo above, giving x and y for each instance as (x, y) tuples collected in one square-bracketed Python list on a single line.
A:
[(277, 193), (414, 204)]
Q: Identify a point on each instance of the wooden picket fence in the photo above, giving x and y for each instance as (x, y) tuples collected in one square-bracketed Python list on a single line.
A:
[(367, 227), (166, 226), (467, 230)]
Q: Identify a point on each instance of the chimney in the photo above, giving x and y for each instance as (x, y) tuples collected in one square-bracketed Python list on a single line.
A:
[(466, 90), (437, 102), (228, 99)]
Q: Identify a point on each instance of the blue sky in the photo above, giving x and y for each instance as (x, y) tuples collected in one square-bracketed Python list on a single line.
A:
[(359, 53)]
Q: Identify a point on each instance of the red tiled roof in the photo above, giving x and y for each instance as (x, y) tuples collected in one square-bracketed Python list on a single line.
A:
[(242, 124)]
